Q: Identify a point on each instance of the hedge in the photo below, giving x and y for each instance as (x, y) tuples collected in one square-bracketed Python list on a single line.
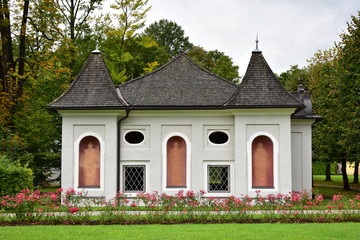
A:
[(14, 177), (319, 168)]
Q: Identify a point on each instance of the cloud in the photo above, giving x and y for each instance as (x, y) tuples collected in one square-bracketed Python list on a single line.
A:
[(290, 31)]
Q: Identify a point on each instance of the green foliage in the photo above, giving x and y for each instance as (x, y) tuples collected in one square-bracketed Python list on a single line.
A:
[(335, 86), (169, 35), (319, 168), (293, 77), (14, 177), (141, 55), (349, 88), (216, 62)]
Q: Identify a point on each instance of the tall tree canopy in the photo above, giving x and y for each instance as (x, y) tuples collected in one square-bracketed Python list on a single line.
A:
[(335, 85), (216, 62), (169, 35)]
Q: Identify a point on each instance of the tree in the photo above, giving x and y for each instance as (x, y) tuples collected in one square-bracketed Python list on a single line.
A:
[(123, 45), (323, 80), (169, 35), (131, 18), (76, 15), (293, 77), (141, 55), (349, 89), (32, 76), (216, 62)]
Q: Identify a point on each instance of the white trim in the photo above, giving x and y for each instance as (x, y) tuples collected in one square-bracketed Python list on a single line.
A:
[(76, 162), (164, 160), (134, 163), (231, 180), (275, 159), (263, 112)]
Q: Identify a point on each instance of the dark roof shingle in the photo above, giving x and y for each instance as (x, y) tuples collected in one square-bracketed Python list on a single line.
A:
[(92, 88), (179, 84), (260, 88)]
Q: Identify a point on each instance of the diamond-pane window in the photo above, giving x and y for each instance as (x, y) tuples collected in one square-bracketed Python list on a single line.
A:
[(134, 178), (218, 178)]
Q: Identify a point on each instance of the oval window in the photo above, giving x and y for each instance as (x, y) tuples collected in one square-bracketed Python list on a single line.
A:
[(218, 137), (134, 137)]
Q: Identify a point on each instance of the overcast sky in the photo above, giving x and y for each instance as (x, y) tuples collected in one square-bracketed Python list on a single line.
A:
[(290, 31)]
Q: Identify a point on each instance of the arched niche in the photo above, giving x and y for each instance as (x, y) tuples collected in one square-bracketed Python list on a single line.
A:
[(176, 162), (89, 162), (262, 162)]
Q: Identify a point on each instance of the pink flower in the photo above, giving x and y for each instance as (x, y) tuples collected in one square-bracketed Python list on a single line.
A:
[(133, 205), (53, 196), (336, 198), (319, 198), (73, 210)]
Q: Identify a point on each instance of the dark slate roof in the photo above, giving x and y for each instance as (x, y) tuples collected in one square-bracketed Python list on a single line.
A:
[(304, 97), (260, 88), (180, 84), (91, 89)]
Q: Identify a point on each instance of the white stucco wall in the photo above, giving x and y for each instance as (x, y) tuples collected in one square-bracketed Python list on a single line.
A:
[(102, 125), (274, 123), (301, 148), (242, 126), (194, 127)]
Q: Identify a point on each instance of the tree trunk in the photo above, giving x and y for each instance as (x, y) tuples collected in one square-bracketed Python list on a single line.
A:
[(7, 57), (356, 172), (327, 173), (344, 174), (22, 48)]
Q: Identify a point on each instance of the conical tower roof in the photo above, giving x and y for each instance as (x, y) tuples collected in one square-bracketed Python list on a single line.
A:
[(260, 88), (91, 89)]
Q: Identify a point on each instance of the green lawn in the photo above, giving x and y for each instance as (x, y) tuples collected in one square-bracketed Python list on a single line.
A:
[(187, 231), (337, 182)]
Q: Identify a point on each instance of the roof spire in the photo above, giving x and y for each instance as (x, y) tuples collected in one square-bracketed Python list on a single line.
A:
[(97, 49), (257, 42)]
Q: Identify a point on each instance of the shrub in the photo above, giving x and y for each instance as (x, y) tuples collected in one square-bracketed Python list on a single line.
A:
[(320, 167), (14, 177)]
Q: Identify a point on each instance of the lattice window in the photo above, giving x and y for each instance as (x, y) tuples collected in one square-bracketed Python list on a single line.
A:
[(134, 178), (218, 178)]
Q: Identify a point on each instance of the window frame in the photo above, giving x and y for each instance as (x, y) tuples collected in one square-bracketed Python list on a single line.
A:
[(218, 144), (208, 166), (124, 166), (134, 144), (228, 162)]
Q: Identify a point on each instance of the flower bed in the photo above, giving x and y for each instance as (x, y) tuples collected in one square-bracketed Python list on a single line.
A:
[(76, 208)]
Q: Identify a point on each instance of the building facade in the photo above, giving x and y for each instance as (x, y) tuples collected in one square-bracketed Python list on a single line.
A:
[(184, 128)]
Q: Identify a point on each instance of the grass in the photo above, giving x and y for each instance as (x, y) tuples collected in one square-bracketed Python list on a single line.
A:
[(337, 183), (336, 180), (186, 231)]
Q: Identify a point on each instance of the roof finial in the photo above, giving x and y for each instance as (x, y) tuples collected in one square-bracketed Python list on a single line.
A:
[(257, 43), (97, 48)]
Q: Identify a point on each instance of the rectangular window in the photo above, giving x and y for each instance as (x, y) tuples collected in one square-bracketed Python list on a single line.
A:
[(134, 178), (218, 178)]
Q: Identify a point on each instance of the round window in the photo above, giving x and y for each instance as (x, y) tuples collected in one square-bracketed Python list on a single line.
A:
[(134, 137), (218, 137)]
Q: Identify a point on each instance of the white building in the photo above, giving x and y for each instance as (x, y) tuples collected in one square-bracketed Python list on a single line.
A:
[(184, 128)]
